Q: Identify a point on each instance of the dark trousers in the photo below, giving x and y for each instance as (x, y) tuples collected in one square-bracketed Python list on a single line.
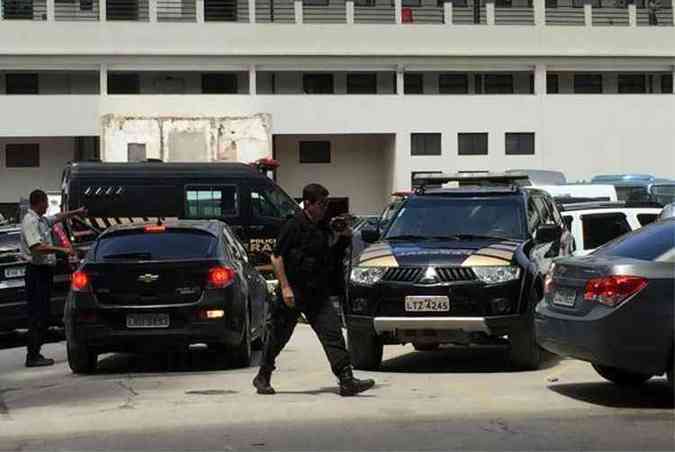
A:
[(321, 315), (38, 294)]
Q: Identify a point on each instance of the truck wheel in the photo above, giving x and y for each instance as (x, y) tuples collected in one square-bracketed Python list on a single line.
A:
[(525, 352), (621, 377), (365, 349), (242, 354), (81, 359)]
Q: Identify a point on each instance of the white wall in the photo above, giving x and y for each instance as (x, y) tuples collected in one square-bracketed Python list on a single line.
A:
[(19, 182), (357, 169)]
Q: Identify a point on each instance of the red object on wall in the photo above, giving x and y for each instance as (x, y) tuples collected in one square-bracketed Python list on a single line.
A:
[(407, 15)]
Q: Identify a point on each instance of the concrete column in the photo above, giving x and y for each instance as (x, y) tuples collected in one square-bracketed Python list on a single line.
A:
[(398, 6), (490, 12), (251, 11), (400, 81), (349, 8), (588, 15), (200, 11), (402, 168), (447, 13), (152, 11), (540, 80), (51, 10), (298, 11), (103, 80), (632, 15), (539, 12), (252, 80), (103, 10)]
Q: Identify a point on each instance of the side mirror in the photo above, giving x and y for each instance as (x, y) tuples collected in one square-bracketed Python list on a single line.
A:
[(370, 235), (547, 233)]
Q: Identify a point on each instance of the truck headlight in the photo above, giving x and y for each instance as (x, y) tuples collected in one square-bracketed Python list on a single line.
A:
[(367, 276), (497, 274)]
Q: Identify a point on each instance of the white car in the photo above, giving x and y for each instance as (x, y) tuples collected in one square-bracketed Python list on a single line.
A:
[(594, 224)]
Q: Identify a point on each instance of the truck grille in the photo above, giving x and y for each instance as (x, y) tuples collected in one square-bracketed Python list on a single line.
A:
[(445, 274)]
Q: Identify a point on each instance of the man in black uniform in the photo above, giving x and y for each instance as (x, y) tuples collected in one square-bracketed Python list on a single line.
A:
[(304, 261)]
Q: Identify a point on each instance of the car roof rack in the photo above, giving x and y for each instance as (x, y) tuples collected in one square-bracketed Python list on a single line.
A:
[(481, 179)]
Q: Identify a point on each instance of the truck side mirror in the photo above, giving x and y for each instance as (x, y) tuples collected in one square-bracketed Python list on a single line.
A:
[(370, 235), (547, 233)]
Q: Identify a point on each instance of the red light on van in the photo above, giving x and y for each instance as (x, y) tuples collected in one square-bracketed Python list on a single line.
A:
[(613, 290), (155, 228), (220, 276), (79, 281)]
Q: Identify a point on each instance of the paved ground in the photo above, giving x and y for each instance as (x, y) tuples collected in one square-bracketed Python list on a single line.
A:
[(450, 399)]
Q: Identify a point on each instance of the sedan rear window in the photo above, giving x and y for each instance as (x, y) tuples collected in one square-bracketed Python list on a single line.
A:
[(648, 244), (170, 244)]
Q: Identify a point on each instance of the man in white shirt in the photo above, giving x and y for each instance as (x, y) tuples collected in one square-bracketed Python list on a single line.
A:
[(40, 253)]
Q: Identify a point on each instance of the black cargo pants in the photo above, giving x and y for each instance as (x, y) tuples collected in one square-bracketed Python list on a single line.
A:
[(321, 315), (38, 294)]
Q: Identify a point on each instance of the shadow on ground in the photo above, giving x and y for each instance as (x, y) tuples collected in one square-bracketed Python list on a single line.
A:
[(17, 338), (654, 394), (458, 360)]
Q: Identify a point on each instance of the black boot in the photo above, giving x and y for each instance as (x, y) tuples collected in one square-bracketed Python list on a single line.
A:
[(350, 386), (262, 382), (38, 361)]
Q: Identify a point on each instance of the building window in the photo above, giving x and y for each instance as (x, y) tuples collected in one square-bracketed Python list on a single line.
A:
[(21, 84), (136, 152), (413, 84), (18, 9), (219, 83), (318, 83), (552, 84), (498, 84), (86, 5), (315, 152), (365, 83), (667, 83), (220, 10), (453, 84), (315, 2), (409, 3), (632, 84), (211, 202), (551, 3), (472, 143), (23, 155), (425, 144), (588, 83), (519, 143), (580, 3), (363, 3), (502, 3), (123, 10), (124, 83)]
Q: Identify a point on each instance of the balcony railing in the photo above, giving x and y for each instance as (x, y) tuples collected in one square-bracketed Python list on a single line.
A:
[(602, 13)]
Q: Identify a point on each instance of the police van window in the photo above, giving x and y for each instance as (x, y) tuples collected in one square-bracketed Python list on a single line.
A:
[(272, 202), (211, 202), (544, 213), (533, 215)]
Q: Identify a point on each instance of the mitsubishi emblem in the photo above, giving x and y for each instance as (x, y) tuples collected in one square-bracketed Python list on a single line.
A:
[(430, 276), (148, 278)]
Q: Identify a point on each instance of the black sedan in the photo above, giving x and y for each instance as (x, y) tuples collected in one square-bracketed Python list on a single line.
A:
[(161, 287), (614, 308)]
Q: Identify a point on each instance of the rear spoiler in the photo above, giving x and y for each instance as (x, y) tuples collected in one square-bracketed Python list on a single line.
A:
[(422, 180)]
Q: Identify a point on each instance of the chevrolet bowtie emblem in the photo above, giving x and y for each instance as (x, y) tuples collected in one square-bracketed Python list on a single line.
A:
[(430, 276), (148, 278)]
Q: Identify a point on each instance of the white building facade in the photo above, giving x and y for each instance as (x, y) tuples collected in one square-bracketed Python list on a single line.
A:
[(358, 94)]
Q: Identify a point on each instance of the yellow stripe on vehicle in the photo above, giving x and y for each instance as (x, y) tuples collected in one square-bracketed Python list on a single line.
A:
[(478, 260), (383, 261)]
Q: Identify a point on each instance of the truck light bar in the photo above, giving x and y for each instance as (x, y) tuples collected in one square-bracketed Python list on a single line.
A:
[(463, 179)]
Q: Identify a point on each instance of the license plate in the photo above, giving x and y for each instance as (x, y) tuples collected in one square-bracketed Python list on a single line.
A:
[(15, 272), (427, 304), (147, 320), (564, 297)]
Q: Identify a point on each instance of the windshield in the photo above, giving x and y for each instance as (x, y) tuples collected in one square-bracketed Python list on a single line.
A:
[(172, 244), (10, 240), (663, 193), (447, 217)]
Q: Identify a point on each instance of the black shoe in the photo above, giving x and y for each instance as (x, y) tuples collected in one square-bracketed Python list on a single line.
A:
[(350, 386), (262, 382), (39, 361)]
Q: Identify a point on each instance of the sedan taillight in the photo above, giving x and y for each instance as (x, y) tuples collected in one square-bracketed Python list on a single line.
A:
[(79, 281), (220, 277), (613, 290)]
